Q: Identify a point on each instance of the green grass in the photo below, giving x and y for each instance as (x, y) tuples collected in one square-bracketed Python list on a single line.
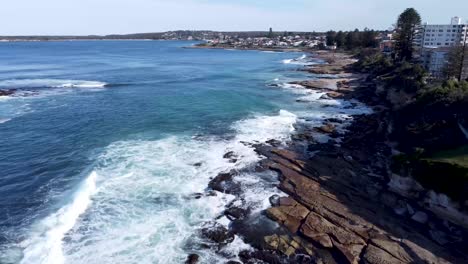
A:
[(457, 156)]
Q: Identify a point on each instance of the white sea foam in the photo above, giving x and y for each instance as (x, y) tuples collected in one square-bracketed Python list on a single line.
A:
[(140, 211), (45, 243), (4, 120), (50, 83), (463, 129), (302, 60)]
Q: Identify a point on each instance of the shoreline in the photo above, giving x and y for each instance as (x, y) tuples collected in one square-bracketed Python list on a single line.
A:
[(273, 49), (339, 205)]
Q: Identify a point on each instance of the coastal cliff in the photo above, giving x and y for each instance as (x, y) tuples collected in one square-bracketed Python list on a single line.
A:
[(346, 201)]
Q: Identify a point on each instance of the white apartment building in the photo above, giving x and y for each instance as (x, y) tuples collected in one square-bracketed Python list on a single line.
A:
[(434, 60), (445, 35)]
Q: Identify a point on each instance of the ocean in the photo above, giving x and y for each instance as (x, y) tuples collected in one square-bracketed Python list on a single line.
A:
[(104, 143)]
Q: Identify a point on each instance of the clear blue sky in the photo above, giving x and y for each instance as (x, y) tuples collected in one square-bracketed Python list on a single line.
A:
[(80, 17)]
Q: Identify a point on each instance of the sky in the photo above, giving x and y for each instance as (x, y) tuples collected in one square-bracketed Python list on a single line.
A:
[(87, 17)]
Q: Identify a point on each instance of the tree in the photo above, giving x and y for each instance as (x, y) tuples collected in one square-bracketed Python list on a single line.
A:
[(340, 39), (331, 38), (369, 38), (270, 33), (353, 39), (454, 64), (407, 27)]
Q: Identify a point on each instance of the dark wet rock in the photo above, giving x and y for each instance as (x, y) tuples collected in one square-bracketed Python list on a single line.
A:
[(236, 210), (7, 92), (275, 200), (334, 120), (420, 217), (211, 193), (217, 233), (327, 128), (249, 257), (233, 262), (192, 259), (198, 164), (274, 142), (225, 183), (196, 196), (231, 156)]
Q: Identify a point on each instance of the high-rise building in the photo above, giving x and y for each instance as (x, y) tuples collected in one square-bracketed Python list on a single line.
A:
[(449, 35)]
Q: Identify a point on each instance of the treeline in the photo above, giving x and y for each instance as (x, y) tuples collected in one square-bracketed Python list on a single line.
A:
[(351, 40)]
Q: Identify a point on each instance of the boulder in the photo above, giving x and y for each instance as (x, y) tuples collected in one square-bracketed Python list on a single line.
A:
[(192, 259), (217, 233), (275, 200), (420, 217), (224, 183), (231, 156), (327, 128)]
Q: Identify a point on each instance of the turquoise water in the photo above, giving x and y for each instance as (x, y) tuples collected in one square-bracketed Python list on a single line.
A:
[(99, 144)]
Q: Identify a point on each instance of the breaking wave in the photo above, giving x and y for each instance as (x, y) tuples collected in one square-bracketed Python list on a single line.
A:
[(134, 206), (50, 83)]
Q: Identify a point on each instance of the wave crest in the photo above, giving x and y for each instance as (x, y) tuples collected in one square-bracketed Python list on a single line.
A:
[(50, 83)]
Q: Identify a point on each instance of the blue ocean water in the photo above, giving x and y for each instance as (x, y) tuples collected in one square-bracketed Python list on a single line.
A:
[(104, 141)]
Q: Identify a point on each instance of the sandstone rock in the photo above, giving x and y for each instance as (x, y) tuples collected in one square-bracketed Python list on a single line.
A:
[(375, 255), (393, 248), (289, 213), (285, 247), (330, 235), (272, 242)]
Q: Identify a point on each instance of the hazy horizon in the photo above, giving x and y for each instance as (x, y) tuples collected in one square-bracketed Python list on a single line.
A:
[(105, 17)]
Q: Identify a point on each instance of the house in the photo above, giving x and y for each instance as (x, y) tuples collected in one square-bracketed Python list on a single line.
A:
[(387, 46)]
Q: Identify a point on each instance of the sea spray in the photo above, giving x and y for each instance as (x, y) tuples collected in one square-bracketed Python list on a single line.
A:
[(463, 129), (45, 243), (49, 83)]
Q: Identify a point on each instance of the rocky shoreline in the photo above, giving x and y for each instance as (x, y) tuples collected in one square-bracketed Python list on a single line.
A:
[(231, 47), (341, 204)]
